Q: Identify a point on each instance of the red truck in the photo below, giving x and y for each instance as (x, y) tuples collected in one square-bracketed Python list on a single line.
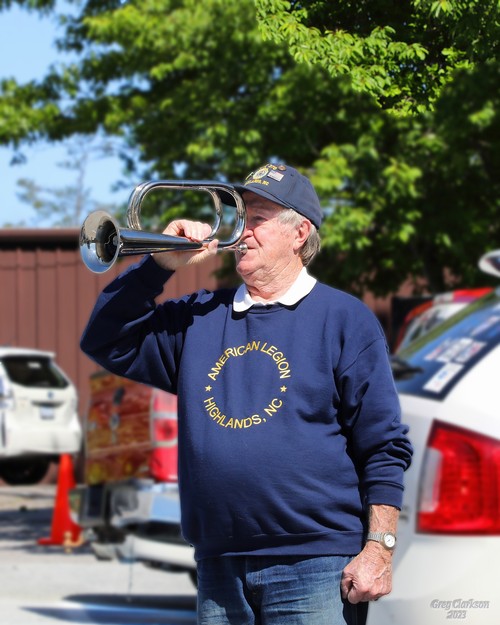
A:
[(128, 506)]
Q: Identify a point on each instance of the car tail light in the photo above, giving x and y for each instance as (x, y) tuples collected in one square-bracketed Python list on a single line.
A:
[(460, 483), (163, 460)]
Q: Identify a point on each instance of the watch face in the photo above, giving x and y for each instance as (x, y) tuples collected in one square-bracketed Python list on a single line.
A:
[(389, 541)]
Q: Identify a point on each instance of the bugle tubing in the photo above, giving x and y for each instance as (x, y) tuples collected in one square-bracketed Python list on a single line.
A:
[(102, 241)]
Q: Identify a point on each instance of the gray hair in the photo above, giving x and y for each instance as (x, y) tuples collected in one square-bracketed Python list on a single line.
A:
[(312, 244)]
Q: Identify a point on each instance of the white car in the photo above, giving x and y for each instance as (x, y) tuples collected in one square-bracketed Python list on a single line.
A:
[(38, 414), (446, 560)]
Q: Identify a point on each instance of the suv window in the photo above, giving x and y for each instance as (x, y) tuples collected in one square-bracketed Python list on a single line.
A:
[(33, 371), (432, 365)]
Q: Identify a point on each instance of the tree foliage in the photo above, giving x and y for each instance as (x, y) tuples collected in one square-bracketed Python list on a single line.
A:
[(390, 105), (401, 52), (416, 190)]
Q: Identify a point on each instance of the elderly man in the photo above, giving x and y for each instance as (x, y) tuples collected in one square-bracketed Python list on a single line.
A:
[(291, 449)]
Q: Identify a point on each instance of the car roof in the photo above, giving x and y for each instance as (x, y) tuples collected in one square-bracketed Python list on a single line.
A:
[(24, 351)]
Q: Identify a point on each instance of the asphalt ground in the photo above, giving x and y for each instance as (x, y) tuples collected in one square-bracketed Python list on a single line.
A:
[(51, 584)]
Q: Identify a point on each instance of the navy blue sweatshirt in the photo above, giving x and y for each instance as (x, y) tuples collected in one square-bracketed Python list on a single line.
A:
[(289, 422)]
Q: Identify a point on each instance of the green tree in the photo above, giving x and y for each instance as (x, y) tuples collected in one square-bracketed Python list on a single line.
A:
[(189, 83), (416, 194), (391, 106), (415, 198), (401, 52)]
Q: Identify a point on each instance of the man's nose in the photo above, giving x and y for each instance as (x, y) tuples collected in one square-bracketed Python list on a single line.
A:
[(248, 231)]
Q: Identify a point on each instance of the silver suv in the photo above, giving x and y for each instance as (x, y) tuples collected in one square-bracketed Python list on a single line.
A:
[(38, 414)]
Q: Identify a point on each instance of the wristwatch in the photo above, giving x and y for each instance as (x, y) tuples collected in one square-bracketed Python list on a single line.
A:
[(386, 539)]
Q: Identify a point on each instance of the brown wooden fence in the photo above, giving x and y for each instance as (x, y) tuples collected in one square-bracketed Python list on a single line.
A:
[(47, 293)]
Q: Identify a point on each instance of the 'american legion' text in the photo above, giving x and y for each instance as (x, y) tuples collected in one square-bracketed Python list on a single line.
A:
[(270, 350)]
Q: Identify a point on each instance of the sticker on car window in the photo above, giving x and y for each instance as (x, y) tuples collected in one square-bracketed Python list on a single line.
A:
[(490, 324), (454, 348), (470, 351), (440, 379), (438, 350)]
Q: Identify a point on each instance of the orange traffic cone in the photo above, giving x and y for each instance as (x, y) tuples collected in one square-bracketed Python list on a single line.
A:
[(63, 529)]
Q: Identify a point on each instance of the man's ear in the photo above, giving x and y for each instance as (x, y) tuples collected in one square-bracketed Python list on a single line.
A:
[(303, 231)]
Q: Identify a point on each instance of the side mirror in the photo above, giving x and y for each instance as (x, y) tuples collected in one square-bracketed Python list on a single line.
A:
[(490, 263)]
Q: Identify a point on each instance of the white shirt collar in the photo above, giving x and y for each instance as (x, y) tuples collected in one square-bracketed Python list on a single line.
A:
[(302, 286)]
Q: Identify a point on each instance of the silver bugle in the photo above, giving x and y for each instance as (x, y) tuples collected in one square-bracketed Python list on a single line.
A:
[(102, 241)]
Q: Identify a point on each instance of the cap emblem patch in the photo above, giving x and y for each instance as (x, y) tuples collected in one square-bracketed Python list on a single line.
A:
[(275, 175)]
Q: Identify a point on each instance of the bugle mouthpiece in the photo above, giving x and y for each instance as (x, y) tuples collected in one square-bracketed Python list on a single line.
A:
[(241, 248)]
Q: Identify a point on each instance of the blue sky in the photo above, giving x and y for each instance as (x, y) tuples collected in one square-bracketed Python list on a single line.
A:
[(26, 50)]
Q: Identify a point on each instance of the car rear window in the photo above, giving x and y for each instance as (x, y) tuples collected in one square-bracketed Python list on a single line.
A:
[(33, 371), (432, 365)]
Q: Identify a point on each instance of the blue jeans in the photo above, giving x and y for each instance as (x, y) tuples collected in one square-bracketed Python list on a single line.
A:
[(271, 590)]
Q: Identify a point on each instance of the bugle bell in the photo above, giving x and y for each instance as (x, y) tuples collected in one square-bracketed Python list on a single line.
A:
[(102, 241)]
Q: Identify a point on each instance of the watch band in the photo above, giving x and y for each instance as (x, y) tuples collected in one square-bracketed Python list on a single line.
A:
[(386, 539)]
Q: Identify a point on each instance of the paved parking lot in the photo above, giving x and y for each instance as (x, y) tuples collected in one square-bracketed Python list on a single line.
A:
[(48, 585)]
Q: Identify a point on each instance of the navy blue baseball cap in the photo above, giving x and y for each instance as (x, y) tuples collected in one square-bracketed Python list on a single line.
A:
[(285, 186)]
